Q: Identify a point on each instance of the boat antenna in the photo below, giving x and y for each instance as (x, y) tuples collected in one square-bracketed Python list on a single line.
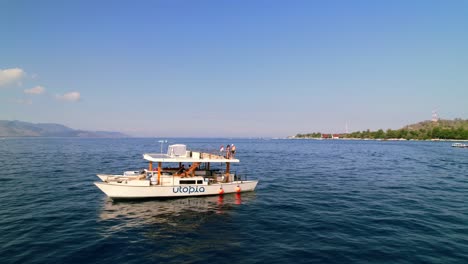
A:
[(162, 143)]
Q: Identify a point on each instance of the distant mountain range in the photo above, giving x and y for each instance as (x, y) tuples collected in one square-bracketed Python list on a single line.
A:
[(24, 129)]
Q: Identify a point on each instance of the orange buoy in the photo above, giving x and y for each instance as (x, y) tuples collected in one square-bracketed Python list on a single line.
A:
[(238, 189), (220, 191)]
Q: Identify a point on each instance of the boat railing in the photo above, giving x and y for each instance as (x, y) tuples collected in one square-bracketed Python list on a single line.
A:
[(233, 177), (214, 155), (215, 175), (206, 155), (240, 177)]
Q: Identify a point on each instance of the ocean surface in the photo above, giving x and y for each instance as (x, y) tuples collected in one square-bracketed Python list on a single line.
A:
[(316, 202)]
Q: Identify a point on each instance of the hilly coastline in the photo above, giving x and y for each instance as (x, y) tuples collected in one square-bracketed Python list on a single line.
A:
[(456, 129), (17, 128)]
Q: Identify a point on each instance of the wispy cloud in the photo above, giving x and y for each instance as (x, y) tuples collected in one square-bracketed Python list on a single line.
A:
[(35, 90), (70, 97), (8, 76), (22, 101)]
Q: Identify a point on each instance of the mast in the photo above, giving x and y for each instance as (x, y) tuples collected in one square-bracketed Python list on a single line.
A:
[(228, 166)]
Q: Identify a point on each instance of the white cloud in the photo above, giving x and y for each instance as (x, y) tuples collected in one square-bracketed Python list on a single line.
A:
[(35, 90), (8, 76), (70, 97)]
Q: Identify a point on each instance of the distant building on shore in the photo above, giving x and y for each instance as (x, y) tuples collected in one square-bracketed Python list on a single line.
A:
[(333, 136)]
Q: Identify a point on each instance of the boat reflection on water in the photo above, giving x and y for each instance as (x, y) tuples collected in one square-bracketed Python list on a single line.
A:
[(182, 214)]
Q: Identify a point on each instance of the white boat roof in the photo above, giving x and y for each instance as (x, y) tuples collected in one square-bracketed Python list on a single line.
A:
[(203, 157)]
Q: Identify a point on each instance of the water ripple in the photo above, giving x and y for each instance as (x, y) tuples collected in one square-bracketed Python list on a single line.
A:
[(317, 201)]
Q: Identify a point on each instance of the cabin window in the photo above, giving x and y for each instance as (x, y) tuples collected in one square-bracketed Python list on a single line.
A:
[(187, 182), (199, 182)]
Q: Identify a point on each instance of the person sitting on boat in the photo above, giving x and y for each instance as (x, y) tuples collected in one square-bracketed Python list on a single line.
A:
[(181, 170), (142, 175)]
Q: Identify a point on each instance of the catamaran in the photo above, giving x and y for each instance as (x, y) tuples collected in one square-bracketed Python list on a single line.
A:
[(200, 178)]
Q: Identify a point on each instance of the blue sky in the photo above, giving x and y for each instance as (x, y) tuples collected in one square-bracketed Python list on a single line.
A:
[(233, 68)]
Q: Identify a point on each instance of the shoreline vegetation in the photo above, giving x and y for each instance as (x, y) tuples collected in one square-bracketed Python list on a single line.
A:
[(443, 130)]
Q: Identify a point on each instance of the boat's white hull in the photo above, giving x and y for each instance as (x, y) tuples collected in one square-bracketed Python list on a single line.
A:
[(134, 192)]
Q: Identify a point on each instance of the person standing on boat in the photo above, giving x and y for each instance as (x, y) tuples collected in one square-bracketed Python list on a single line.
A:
[(233, 151), (228, 151)]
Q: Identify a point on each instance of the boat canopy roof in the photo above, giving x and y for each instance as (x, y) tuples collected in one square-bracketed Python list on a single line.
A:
[(195, 157), (179, 153)]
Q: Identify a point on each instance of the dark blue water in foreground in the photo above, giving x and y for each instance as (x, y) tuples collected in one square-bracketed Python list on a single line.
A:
[(317, 201)]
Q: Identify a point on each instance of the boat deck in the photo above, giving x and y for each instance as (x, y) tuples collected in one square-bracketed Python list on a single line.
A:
[(194, 157)]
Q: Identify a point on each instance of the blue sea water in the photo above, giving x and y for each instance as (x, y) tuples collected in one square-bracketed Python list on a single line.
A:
[(317, 202)]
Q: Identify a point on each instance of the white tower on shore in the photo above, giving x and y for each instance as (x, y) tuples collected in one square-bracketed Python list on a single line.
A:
[(435, 116)]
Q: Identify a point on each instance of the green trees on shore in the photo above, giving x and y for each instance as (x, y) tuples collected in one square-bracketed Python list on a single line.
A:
[(420, 134), (443, 129)]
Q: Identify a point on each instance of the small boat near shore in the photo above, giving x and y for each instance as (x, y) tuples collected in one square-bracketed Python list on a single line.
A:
[(173, 180), (459, 145)]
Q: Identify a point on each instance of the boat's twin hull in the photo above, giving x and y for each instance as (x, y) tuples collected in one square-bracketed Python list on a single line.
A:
[(135, 192)]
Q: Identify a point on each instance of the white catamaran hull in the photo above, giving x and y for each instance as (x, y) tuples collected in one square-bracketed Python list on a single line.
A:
[(133, 192)]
